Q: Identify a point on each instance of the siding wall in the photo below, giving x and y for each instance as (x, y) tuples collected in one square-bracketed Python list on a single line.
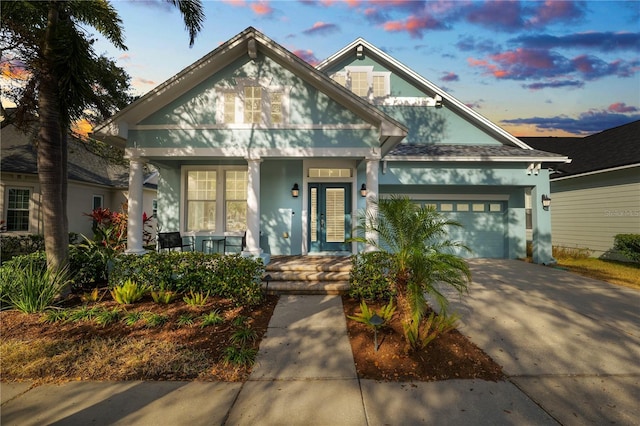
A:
[(587, 212)]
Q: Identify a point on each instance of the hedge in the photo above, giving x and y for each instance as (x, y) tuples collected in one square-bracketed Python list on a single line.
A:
[(628, 245)]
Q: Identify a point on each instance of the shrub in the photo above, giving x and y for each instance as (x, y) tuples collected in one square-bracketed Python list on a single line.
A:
[(370, 277), (28, 286), (570, 252), (212, 318), (628, 245), (20, 245), (129, 292), (232, 276), (239, 356), (196, 299), (163, 296), (365, 315)]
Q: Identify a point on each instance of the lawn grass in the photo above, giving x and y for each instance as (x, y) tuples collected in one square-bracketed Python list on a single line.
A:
[(611, 271)]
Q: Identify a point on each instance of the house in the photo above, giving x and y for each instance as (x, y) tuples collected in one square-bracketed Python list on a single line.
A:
[(93, 181), (251, 140), (597, 195)]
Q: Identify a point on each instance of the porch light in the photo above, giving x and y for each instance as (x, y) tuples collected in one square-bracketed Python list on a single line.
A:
[(363, 190), (295, 191), (546, 201)]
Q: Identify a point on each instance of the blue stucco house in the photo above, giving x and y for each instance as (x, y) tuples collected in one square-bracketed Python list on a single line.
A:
[(251, 140)]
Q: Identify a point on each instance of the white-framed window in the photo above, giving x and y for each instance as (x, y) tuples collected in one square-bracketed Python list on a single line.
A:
[(18, 203), (252, 105), (235, 200), (154, 208), (201, 200), (229, 108), (364, 81), (215, 199)]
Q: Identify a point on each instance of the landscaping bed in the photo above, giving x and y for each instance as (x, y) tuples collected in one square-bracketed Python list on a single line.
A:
[(449, 356), (161, 342)]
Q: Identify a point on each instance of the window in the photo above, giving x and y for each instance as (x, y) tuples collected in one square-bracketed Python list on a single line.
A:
[(235, 200), (341, 79), (201, 200), (379, 86), (326, 173), (276, 107), (18, 209), (252, 105), (229, 108), (360, 83), (154, 207), (97, 202)]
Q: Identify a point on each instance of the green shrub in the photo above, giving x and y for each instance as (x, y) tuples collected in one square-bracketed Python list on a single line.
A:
[(370, 278), (628, 245), (212, 318), (365, 315), (163, 296), (229, 276), (27, 285), (20, 245), (88, 266), (239, 356)]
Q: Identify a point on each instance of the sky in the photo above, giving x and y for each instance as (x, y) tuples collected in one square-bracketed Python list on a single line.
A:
[(535, 68)]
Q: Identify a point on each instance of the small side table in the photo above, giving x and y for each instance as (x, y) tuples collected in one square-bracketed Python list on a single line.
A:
[(213, 243)]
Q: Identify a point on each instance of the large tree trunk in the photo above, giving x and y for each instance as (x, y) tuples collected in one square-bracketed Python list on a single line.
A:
[(52, 154)]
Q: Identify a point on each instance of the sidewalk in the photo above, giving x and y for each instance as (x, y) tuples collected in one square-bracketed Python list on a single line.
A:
[(304, 375)]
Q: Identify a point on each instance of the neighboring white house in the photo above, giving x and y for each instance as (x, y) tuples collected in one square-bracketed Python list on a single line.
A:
[(94, 181), (597, 195)]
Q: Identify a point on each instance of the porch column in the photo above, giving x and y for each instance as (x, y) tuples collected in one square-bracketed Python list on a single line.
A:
[(253, 207), (541, 218), (134, 222), (373, 165)]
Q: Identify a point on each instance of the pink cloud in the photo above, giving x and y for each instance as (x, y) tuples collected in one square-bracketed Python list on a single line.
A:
[(414, 25), (307, 56), (450, 76), (261, 8), (622, 108), (236, 3), (553, 10)]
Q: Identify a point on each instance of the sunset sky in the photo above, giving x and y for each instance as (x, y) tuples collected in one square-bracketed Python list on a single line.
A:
[(535, 68)]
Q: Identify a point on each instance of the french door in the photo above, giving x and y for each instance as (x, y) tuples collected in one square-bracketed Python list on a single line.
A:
[(329, 216)]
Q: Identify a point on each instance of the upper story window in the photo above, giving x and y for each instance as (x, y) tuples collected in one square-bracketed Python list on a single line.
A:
[(364, 81), (252, 104)]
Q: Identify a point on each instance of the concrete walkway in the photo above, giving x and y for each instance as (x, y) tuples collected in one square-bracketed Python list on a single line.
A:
[(571, 347)]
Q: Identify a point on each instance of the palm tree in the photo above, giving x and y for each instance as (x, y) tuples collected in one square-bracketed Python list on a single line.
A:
[(67, 78), (414, 239)]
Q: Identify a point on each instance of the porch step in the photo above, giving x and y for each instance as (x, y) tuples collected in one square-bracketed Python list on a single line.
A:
[(307, 275)]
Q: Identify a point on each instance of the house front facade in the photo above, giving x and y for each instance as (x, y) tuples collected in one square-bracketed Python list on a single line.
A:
[(252, 141)]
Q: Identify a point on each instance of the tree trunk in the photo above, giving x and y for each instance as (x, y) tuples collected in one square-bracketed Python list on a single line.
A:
[(52, 154)]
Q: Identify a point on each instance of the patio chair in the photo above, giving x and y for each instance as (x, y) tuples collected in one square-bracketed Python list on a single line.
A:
[(173, 240)]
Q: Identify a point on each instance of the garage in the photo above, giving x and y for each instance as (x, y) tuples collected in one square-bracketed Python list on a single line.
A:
[(484, 228)]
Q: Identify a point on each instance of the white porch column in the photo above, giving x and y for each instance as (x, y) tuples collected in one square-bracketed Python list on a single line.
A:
[(373, 166), (253, 207), (134, 223)]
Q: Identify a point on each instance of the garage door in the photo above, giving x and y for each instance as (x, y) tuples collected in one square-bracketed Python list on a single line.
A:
[(483, 226)]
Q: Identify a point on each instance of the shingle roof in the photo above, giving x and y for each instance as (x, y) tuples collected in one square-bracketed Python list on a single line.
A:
[(611, 148), (18, 155), (477, 152)]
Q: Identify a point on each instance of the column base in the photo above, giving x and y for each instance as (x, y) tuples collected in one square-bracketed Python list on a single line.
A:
[(135, 251)]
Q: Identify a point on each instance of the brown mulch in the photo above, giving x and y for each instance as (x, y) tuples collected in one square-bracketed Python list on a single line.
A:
[(449, 356)]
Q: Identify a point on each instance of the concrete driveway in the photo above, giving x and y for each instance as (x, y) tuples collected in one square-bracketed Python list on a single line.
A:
[(572, 344)]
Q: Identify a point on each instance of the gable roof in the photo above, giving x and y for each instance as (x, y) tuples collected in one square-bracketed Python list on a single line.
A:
[(612, 148), (360, 45), (250, 42), (18, 155)]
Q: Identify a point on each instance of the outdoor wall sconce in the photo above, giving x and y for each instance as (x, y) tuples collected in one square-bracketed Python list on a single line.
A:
[(546, 201), (295, 191), (363, 190)]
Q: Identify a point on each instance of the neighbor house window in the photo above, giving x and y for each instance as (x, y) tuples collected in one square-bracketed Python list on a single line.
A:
[(201, 200), (18, 209), (235, 200), (154, 207), (98, 202), (252, 105)]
